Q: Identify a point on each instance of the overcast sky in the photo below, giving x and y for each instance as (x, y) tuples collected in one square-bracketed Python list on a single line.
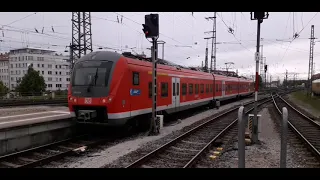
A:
[(184, 36)]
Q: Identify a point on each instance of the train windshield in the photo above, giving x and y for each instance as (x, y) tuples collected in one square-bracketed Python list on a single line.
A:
[(92, 73)]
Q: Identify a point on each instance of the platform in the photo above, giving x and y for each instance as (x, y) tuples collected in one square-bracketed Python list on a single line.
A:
[(31, 118)]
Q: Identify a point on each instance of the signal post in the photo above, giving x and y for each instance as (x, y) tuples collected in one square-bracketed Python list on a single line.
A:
[(259, 16), (151, 30)]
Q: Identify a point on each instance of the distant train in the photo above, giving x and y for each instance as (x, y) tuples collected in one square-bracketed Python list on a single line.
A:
[(109, 88), (316, 87)]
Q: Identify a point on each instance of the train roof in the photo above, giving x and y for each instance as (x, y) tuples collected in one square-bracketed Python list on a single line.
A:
[(164, 64)]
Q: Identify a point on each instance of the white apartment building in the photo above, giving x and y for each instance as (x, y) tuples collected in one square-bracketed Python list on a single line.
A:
[(53, 67), (4, 73)]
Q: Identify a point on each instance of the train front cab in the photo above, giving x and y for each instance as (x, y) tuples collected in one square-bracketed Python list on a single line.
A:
[(93, 87)]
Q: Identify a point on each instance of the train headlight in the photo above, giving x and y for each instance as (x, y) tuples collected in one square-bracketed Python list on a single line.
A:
[(70, 98), (74, 100), (103, 101), (110, 99)]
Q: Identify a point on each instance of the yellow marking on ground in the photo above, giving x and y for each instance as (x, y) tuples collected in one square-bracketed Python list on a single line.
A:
[(219, 149)]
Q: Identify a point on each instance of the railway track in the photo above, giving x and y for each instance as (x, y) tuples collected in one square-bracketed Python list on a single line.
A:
[(306, 129), (55, 151), (185, 150)]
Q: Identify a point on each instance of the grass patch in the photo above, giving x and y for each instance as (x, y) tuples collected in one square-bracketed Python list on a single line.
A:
[(312, 101)]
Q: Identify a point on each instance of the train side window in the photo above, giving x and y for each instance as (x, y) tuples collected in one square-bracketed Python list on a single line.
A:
[(190, 88), (135, 78), (211, 87), (150, 89), (164, 89), (184, 89), (196, 91), (217, 89), (207, 88), (201, 88)]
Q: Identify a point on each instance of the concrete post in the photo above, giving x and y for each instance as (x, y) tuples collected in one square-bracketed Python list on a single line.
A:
[(284, 132), (241, 136)]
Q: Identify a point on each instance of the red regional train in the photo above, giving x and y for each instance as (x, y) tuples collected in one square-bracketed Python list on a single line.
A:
[(109, 88)]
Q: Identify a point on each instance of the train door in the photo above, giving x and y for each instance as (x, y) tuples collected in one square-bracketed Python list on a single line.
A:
[(175, 93), (223, 88)]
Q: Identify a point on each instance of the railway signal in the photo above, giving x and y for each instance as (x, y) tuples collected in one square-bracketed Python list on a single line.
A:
[(151, 30), (259, 16), (151, 26)]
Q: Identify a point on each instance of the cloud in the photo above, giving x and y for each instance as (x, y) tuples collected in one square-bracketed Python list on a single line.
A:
[(184, 36)]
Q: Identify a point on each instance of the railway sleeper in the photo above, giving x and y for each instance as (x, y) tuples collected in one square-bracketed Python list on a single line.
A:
[(170, 158), (179, 153), (183, 149), (191, 142), (8, 164), (163, 164)]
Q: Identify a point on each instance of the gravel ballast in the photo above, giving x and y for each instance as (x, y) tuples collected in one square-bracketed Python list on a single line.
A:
[(123, 153), (263, 155)]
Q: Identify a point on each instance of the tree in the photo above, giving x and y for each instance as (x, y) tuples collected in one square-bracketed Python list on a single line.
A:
[(3, 89), (31, 84)]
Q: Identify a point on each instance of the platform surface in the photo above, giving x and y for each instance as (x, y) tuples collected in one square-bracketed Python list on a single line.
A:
[(31, 118)]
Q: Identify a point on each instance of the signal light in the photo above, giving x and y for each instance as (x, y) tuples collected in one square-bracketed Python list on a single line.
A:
[(265, 68), (151, 26)]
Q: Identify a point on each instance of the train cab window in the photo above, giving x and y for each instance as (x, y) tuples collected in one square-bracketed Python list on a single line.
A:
[(211, 87), (164, 89), (201, 88), (196, 91), (150, 89), (135, 78), (184, 89), (190, 89), (207, 88)]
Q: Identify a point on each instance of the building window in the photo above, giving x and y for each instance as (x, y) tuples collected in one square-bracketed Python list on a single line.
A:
[(38, 65), (43, 65), (56, 66), (56, 72), (135, 78), (60, 72), (49, 65), (42, 72), (49, 72), (164, 89), (49, 78), (68, 79)]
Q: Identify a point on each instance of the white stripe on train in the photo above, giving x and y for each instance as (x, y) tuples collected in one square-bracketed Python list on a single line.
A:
[(160, 108)]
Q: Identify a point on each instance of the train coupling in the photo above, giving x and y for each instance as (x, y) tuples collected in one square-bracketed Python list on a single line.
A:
[(87, 114)]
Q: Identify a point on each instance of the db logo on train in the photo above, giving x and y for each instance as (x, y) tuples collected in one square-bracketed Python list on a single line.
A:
[(87, 100)]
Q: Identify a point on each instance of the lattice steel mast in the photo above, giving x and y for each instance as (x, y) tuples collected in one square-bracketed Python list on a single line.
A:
[(81, 36)]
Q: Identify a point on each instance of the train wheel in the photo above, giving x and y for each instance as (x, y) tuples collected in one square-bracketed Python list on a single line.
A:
[(144, 123)]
